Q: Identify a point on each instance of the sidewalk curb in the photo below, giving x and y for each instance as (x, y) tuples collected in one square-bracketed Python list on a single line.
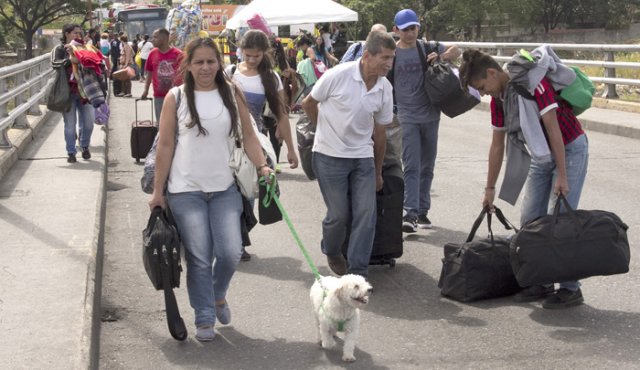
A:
[(90, 341), (20, 139)]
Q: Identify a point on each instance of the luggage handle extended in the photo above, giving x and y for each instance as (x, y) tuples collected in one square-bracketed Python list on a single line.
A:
[(499, 215), (136, 100)]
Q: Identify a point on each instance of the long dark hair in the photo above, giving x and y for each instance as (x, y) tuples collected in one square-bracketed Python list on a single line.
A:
[(222, 82), (256, 39), (279, 56), (67, 28)]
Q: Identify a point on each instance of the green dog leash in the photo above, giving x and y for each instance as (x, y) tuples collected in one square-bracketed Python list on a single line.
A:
[(266, 202)]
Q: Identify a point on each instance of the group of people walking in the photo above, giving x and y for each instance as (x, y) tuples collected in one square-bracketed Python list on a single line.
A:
[(353, 102), (204, 108)]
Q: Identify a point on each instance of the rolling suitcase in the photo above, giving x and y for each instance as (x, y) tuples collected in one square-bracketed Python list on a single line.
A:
[(142, 134), (387, 244)]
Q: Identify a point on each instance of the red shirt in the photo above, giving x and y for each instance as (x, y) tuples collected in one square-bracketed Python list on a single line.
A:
[(164, 70), (545, 97)]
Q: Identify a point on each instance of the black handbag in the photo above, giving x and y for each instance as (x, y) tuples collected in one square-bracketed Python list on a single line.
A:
[(161, 258), (570, 246), (268, 211), (478, 269), (443, 88), (59, 99), (306, 133)]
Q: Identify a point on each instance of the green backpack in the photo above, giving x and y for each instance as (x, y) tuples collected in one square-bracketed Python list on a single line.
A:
[(579, 94)]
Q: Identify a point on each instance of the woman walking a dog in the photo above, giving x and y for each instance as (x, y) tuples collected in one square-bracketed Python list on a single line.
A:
[(261, 85), (202, 194)]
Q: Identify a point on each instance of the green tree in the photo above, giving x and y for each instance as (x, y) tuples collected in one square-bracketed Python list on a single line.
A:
[(27, 16), (463, 18)]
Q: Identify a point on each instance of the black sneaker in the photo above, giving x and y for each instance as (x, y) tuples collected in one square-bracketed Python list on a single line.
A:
[(533, 293), (86, 154), (245, 256), (563, 298), (424, 222), (409, 224), (337, 264), (71, 158)]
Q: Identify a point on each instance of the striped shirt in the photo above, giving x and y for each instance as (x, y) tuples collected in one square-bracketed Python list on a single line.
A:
[(547, 99)]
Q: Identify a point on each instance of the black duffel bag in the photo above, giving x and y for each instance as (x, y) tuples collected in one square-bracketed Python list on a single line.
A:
[(570, 246), (478, 269), (161, 258), (306, 133), (442, 86)]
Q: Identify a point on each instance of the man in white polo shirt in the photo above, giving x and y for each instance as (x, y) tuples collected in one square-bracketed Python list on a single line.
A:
[(351, 104)]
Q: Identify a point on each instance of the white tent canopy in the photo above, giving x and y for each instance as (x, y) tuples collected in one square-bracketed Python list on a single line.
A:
[(287, 12)]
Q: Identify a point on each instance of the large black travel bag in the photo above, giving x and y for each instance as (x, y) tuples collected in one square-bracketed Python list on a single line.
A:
[(570, 246), (478, 269), (142, 134), (161, 259), (387, 244)]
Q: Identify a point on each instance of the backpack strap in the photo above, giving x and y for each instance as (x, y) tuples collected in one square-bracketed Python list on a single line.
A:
[(357, 49)]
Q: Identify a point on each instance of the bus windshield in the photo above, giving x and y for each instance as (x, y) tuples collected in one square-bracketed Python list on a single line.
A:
[(141, 21)]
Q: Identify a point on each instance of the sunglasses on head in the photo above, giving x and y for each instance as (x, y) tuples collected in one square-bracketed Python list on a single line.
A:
[(410, 28)]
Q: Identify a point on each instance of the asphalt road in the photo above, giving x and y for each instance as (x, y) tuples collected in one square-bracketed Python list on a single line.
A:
[(407, 324)]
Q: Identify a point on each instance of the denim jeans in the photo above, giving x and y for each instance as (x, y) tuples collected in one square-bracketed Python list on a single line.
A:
[(209, 225), (538, 197), (419, 151), (348, 187), (83, 115), (157, 106)]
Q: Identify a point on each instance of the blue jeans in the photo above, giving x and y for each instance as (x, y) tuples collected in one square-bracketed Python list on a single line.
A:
[(209, 225), (157, 106), (83, 115), (419, 151), (348, 187), (539, 199)]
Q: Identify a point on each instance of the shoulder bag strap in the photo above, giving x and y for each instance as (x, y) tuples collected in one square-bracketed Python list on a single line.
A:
[(423, 58)]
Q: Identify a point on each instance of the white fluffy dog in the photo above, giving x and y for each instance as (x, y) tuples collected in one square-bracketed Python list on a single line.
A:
[(336, 303)]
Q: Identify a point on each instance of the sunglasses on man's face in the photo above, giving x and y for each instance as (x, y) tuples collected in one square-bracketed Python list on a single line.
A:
[(410, 28)]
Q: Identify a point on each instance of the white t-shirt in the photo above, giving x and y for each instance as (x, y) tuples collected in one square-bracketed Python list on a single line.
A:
[(201, 162), (253, 91), (145, 49), (347, 111)]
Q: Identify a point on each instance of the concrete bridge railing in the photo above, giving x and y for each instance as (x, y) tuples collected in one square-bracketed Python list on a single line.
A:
[(23, 87), (503, 51)]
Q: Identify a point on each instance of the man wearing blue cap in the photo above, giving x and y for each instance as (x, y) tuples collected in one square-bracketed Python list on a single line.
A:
[(418, 118)]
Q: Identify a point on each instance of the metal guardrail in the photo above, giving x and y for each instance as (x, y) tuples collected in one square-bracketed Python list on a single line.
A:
[(608, 51), (25, 85)]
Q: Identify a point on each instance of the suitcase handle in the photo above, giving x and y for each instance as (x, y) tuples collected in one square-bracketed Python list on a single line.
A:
[(136, 100)]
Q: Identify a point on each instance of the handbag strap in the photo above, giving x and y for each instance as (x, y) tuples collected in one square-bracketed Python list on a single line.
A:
[(422, 47), (499, 215), (572, 213), (175, 322)]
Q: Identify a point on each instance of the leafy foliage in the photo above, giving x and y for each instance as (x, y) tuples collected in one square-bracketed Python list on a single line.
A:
[(27, 16)]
